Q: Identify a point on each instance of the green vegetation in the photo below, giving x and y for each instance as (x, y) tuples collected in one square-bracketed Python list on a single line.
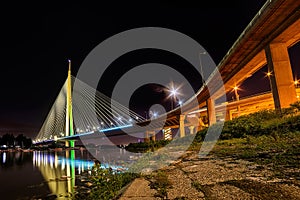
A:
[(105, 184), (265, 137), (159, 181), (265, 122), (280, 153), (146, 146)]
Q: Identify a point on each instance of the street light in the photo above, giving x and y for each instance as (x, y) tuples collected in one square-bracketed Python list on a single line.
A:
[(236, 93), (296, 82), (173, 93), (153, 114), (180, 102)]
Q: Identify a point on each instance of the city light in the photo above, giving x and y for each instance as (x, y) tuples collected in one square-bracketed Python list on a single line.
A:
[(173, 93), (296, 82), (180, 102), (153, 114)]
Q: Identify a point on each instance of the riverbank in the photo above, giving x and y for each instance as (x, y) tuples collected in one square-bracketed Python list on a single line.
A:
[(16, 150), (256, 157), (235, 169)]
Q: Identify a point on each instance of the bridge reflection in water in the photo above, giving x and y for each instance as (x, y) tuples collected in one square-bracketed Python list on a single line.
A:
[(59, 169)]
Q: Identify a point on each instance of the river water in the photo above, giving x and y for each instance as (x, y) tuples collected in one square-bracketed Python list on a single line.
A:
[(40, 174)]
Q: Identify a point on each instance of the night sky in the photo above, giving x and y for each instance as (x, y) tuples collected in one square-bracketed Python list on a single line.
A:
[(38, 39)]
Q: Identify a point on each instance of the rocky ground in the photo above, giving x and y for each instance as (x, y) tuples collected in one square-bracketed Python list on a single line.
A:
[(214, 178)]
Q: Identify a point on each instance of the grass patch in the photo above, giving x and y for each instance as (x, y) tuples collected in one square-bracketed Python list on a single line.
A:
[(105, 184), (159, 181), (279, 154)]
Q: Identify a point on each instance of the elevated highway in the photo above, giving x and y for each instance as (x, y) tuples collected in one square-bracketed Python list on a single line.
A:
[(264, 41)]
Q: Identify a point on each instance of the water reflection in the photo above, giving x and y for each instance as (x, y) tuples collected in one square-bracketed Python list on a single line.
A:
[(59, 169), (4, 158), (40, 173), (11, 158)]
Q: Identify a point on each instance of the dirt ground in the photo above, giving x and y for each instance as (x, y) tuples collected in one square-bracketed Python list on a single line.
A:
[(217, 178)]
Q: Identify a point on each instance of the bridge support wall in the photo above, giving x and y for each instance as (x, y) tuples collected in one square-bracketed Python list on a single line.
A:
[(192, 128), (281, 78), (181, 125), (150, 135), (211, 111)]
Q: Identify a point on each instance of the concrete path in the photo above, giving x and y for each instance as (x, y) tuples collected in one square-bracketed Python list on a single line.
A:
[(215, 178), (139, 189)]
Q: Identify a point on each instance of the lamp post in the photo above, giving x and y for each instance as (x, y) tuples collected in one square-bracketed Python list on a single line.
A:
[(269, 74), (201, 67)]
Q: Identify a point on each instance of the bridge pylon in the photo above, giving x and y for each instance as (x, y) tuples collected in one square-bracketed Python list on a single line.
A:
[(69, 128)]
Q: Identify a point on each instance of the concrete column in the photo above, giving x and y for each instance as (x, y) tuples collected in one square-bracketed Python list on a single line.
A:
[(150, 135), (200, 125), (147, 138), (191, 129), (153, 133), (181, 125), (281, 78), (211, 112), (228, 114)]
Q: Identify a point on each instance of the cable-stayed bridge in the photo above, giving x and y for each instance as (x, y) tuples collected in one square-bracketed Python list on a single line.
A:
[(94, 113)]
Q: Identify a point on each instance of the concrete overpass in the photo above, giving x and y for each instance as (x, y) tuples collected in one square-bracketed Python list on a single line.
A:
[(265, 41)]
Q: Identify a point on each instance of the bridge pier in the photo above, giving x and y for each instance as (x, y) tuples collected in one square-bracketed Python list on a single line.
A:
[(211, 112), (150, 136), (192, 128), (181, 125), (281, 78)]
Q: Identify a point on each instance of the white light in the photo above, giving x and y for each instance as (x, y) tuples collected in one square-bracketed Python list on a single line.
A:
[(4, 158), (173, 92)]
